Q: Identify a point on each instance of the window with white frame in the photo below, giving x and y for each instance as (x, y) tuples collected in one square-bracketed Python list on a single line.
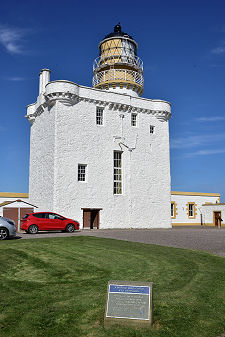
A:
[(99, 116), (82, 172), (117, 182), (133, 119), (152, 128)]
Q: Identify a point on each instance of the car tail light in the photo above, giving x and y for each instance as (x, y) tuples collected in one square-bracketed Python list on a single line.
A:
[(25, 217)]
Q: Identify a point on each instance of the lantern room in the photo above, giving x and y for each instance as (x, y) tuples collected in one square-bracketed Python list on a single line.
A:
[(118, 68)]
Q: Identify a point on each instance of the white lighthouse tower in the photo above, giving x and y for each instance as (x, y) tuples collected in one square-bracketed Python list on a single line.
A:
[(101, 155)]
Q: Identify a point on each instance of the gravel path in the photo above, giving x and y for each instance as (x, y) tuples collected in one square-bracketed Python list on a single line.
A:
[(208, 239)]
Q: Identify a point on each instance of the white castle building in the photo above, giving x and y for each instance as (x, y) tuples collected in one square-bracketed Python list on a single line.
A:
[(101, 155)]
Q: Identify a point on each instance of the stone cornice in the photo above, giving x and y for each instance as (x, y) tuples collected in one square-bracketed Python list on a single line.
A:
[(70, 99), (66, 98), (161, 115)]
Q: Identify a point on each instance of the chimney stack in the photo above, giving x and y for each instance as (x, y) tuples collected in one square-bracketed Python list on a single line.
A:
[(44, 78)]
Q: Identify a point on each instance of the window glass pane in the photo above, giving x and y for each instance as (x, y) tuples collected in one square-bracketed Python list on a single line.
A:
[(58, 217), (134, 119), (81, 172), (39, 215), (191, 210), (172, 209), (99, 116), (152, 128), (117, 186)]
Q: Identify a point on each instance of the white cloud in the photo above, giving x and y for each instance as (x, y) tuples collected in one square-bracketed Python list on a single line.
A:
[(196, 140), (204, 144), (219, 49), (15, 79), (12, 39), (211, 119), (205, 152)]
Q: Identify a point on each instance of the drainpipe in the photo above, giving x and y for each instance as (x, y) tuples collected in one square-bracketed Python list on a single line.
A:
[(122, 117), (18, 219)]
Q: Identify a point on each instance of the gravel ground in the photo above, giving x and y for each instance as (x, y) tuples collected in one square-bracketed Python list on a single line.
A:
[(208, 239)]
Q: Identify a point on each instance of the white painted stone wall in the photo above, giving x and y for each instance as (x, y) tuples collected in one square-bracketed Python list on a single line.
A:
[(181, 204), (42, 147), (66, 135), (208, 213)]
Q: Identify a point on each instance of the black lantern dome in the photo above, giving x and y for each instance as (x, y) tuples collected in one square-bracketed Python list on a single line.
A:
[(118, 33)]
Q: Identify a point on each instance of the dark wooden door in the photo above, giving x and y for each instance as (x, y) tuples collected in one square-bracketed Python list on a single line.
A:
[(86, 218), (94, 219), (91, 218), (11, 213), (217, 216)]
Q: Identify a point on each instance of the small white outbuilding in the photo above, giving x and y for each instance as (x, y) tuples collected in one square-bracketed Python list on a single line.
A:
[(213, 215), (193, 208), (15, 206)]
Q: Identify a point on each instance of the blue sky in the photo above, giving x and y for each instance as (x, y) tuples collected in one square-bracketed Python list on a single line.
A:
[(182, 45)]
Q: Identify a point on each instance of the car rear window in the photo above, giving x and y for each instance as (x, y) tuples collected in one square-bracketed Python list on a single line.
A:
[(26, 216), (39, 215)]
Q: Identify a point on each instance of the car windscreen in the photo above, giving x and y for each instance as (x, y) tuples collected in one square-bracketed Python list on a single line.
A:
[(54, 216)]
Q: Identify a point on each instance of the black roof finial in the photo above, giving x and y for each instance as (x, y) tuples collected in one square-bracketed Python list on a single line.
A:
[(117, 28)]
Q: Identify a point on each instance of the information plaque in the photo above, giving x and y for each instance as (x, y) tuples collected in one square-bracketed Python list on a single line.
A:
[(129, 303)]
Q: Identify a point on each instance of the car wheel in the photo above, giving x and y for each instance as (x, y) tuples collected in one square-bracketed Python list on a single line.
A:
[(70, 228), (3, 233), (33, 229)]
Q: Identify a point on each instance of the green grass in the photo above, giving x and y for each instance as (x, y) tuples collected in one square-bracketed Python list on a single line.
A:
[(57, 288)]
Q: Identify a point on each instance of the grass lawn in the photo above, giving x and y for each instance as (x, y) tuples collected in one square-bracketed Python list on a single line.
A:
[(57, 287)]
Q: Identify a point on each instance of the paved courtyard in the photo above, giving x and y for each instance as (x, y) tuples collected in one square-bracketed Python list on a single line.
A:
[(208, 239)]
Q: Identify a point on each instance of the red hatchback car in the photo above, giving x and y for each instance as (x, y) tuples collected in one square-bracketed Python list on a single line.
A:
[(47, 221)]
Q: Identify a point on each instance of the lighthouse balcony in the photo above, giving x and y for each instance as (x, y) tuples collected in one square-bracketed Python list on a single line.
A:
[(110, 60), (118, 75)]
